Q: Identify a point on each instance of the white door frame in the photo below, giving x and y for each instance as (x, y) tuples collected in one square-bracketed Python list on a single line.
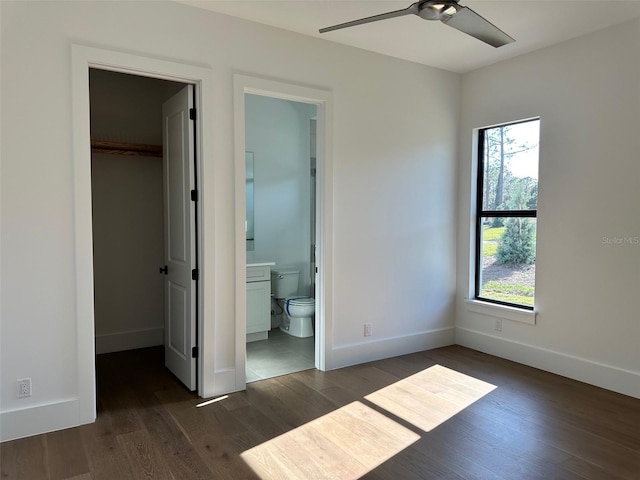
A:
[(83, 58), (323, 100)]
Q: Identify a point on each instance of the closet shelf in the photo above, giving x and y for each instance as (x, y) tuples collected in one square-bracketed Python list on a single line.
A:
[(132, 149)]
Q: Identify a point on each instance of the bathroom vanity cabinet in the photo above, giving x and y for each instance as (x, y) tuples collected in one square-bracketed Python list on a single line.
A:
[(258, 302)]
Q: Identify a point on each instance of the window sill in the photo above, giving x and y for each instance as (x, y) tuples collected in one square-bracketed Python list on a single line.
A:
[(502, 311)]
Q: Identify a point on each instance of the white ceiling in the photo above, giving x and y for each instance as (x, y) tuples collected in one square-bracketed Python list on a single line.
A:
[(534, 24)]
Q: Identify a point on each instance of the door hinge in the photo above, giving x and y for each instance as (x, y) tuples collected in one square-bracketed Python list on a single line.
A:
[(192, 114), (195, 274), (194, 352), (194, 195)]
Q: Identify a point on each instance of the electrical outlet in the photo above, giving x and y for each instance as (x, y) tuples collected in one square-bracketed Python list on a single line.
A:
[(367, 329), (24, 387), (498, 325)]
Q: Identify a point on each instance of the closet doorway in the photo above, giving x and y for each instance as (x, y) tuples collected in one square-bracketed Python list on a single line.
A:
[(144, 204)]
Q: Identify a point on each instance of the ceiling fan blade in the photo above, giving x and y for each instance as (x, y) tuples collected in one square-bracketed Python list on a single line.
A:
[(413, 9), (469, 22)]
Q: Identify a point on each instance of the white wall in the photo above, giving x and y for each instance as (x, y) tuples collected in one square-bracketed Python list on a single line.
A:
[(127, 251), (394, 154), (277, 132), (587, 93), (128, 108)]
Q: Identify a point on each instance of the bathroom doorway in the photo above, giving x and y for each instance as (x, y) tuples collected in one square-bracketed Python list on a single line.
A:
[(293, 231), (280, 190)]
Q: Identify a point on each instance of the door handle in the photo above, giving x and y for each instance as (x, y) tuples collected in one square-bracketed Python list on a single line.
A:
[(164, 270)]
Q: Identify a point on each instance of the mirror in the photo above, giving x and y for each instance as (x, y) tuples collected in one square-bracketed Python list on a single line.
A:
[(248, 223)]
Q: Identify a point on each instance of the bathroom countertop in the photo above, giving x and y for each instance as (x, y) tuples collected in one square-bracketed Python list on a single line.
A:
[(263, 264)]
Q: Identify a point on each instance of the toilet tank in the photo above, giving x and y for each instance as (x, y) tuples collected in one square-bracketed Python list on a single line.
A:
[(284, 283)]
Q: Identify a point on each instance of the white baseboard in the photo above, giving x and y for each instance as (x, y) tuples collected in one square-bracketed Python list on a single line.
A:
[(117, 342), (30, 421), (356, 353), (581, 369)]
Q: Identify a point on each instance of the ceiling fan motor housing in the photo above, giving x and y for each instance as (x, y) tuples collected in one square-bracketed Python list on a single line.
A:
[(437, 10)]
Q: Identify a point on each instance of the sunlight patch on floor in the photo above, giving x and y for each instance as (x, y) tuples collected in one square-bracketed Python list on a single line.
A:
[(430, 397), (355, 439), (213, 400), (344, 444)]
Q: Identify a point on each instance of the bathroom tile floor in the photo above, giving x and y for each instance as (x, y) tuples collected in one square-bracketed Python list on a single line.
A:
[(279, 355)]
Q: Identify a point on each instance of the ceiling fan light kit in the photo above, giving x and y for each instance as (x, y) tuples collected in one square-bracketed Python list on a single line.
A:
[(448, 12)]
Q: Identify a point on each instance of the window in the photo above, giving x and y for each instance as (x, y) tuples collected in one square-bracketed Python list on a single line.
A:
[(506, 213)]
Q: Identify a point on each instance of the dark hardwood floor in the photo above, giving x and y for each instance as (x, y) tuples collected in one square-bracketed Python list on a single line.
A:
[(449, 413)]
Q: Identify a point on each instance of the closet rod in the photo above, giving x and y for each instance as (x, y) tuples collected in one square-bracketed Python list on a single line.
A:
[(119, 148)]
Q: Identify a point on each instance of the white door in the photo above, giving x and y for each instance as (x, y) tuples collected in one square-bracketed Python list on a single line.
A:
[(179, 237)]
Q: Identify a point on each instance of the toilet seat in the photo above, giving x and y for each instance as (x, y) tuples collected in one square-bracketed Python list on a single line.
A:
[(300, 307), (301, 301)]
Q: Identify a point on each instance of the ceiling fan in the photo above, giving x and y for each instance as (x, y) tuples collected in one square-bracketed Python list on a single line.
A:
[(448, 12)]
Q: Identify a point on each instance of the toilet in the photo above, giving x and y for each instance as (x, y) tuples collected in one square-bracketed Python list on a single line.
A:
[(298, 310)]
